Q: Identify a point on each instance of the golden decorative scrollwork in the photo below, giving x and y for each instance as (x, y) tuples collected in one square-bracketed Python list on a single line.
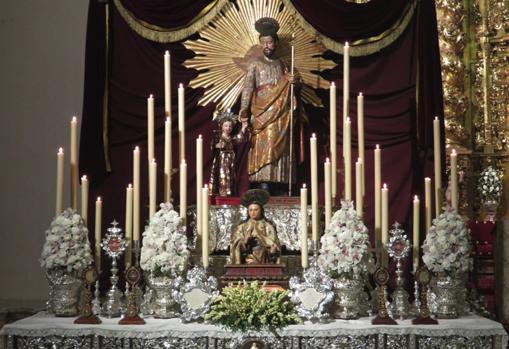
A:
[(491, 75), (228, 43), (450, 15)]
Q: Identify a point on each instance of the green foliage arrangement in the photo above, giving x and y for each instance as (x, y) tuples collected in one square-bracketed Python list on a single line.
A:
[(247, 306)]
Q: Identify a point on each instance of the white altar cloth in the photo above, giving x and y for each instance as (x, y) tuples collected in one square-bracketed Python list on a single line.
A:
[(51, 332)]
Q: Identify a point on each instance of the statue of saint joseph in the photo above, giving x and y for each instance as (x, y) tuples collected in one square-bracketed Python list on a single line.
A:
[(266, 100)]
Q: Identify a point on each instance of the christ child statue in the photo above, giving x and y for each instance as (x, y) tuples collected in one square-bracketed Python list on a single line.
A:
[(223, 173)]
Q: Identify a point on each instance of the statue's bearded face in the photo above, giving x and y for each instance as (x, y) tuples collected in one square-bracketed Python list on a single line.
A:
[(254, 211), (268, 45)]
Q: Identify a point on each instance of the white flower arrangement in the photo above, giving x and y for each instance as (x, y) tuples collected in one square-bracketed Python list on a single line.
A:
[(345, 246), (66, 246), (447, 245), (490, 184), (164, 251)]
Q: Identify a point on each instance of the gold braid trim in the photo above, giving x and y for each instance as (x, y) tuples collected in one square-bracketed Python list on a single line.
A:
[(161, 34), (362, 47)]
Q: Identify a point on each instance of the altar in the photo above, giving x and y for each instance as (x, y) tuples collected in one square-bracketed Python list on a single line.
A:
[(46, 331)]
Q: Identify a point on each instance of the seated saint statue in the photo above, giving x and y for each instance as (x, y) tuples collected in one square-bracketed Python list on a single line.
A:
[(255, 241)]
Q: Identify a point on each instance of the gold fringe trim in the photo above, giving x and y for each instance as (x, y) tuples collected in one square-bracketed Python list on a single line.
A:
[(164, 35), (363, 47)]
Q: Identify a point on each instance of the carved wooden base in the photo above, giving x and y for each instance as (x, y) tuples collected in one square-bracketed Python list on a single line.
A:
[(380, 320), (420, 320), (88, 320), (271, 273), (132, 320)]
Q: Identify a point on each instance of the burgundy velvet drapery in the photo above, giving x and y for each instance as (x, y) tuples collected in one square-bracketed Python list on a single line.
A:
[(401, 84), (347, 21)]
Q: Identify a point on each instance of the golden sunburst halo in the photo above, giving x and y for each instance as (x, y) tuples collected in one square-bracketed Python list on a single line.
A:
[(229, 42)]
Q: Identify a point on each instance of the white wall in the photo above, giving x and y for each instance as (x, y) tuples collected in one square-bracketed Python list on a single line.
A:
[(42, 47)]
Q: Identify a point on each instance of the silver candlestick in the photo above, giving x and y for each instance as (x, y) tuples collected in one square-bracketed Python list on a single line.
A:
[(96, 303), (416, 305), (398, 248), (114, 245)]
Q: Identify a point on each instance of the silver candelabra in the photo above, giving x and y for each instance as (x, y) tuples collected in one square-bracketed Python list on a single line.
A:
[(398, 248), (114, 245)]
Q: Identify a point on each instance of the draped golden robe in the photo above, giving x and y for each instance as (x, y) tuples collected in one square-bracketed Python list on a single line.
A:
[(264, 234), (267, 92)]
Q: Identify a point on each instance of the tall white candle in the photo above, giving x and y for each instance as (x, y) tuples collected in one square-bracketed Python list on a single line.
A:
[(167, 128), (74, 163), (150, 127), (304, 226), (416, 233), (346, 80), (199, 183), (136, 194), (360, 138), (385, 223), (183, 191), (152, 188), (167, 84), (358, 188), (328, 201), (181, 126), (348, 159), (454, 179), (60, 182), (167, 160), (378, 185), (427, 202), (129, 224), (98, 234), (438, 166), (205, 226), (332, 137), (84, 199), (314, 190)]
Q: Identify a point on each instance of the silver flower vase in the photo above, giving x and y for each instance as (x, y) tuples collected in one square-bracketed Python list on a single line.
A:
[(64, 292), (164, 305), (447, 290), (348, 296)]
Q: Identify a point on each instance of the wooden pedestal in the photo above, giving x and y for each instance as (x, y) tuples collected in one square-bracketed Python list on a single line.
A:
[(273, 274)]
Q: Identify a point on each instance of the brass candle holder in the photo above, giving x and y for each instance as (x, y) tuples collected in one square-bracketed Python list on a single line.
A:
[(87, 315), (381, 277), (423, 278)]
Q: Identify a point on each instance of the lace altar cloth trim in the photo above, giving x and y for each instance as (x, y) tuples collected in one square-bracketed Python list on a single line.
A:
[(43, 324)]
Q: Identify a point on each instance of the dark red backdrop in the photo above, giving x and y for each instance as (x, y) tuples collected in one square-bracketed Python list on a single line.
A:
[(401, 84)]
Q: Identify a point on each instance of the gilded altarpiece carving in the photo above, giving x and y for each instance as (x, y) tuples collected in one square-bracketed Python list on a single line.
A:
[(474, 45)]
